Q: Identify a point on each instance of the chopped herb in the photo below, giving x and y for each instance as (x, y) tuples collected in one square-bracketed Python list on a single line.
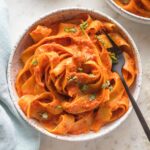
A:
[(59, 107), (91, 75), (106, 84), (34, 62), (110, 88), (83, 26), (125, 1), (44, 115), (84, 87), (99, 39), (92, 97), (113, 58), (69, 29), (80, 69), (73, 78)]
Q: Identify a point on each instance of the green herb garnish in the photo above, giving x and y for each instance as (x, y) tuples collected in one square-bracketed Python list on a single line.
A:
[(69, 29), (91, 75), (84, 87), (106, 84), (113, 58), (125, 1), (34, 62), (44, 115), (99, 39), (59, 107), (73, 78), (83, 26), (80, 69), (110, 88), (92, 97)]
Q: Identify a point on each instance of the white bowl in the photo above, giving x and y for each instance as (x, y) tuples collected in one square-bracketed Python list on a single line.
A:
[(25, 41), (128, 14)]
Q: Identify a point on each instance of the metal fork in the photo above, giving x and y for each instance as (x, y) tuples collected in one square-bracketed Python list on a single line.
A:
[(117, 67)]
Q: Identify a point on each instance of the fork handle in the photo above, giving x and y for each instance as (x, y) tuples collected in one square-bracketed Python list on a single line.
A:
[(137, 110)]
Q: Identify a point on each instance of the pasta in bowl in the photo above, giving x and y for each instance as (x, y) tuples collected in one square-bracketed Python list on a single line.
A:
[(136, 10), (138, 7), (65, 84)]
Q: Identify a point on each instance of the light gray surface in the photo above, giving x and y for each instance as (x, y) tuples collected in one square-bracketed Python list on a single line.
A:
[(129, 136)]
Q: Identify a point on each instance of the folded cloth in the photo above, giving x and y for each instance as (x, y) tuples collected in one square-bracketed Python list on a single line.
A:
[(15, 133)]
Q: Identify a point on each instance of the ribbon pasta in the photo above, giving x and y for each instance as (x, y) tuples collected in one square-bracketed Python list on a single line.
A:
[(66, 82), (138, 7)]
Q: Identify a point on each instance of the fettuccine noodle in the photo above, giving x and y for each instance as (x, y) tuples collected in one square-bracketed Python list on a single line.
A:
[(138, 7), (66, 82)]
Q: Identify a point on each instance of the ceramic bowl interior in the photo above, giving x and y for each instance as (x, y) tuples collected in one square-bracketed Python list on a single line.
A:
[(127, 14), (25, 41)]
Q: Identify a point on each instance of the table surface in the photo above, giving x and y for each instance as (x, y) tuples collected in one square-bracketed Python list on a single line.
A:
[(128, 136)]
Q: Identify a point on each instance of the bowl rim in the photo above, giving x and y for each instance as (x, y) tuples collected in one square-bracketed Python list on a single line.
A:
[(127, 14), (71, 138)]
